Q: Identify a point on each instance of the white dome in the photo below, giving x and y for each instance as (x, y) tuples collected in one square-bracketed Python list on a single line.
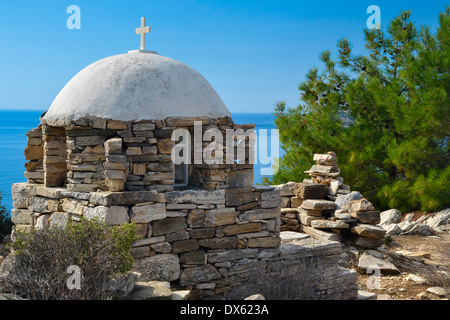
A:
[(136, 86)]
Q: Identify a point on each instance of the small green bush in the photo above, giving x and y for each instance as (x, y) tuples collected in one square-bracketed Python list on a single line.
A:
[(5, 220), (41, 259)]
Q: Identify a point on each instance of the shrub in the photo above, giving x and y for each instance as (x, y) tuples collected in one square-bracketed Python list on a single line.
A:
[(5, 220), (39, 268)]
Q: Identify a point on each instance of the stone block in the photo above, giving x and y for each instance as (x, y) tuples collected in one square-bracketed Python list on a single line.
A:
[(34, 152), (311, 190), (20, 193), (359, 205), (241, 179), (193, 257), (368, 231), (205, 273), (219, 217), (145, 213), (113, 146), (219, 243), (328, 224), (161, 267), (196, 196), (185, 246), (19, 216), (311, 204), (234, 229), (89, 140), (124, 198), (260, 214), (264, 242), (202, 233), (109, 215), (168, 225), (371, 217)]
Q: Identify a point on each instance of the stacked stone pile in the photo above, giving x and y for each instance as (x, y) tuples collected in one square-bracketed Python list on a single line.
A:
[(326, 171), (327, 209)]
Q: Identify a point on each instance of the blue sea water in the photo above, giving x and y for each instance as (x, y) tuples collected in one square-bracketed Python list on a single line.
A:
[(14, 124)]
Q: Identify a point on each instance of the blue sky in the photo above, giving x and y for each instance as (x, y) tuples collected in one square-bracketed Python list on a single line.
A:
[(254, 53)]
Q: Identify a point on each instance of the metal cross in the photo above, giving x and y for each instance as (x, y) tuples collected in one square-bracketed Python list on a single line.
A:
[(142, 31)]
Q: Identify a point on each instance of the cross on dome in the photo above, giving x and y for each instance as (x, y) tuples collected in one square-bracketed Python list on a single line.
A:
[(142, 31)]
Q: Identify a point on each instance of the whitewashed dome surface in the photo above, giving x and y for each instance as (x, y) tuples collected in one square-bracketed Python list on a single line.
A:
[(136, 86)]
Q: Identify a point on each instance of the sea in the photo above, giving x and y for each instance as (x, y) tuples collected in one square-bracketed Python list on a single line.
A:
[(14, 124)]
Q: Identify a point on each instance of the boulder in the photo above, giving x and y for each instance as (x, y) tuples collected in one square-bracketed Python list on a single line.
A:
[(327, 224), (368, 231), (439, 219), (342, 200), (374, 260), (390, 216), (151, 290)]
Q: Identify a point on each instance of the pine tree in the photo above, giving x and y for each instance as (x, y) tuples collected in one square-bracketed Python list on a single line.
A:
[(385, 114)]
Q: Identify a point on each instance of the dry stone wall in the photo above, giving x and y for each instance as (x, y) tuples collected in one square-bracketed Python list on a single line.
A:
[(216, 234)]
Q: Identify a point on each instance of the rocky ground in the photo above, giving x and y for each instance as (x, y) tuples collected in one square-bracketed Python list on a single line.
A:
[(423, 265)]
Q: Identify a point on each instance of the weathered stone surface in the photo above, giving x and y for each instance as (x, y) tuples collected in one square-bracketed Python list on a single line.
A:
[(113, 146), (109, 215), (264, 242), (202, 233), (148, 212), (161, 247), (58, 220), (238, 197), (90, 140), (124, 198), (196, 196), (165, 146), (367, 243), (321, 235), (368, 231), (38, 204), (390, 216), (161, 267), (144, 126), (286, 189), (260, 214), (42, 222), (372, 217), (342, 200), (151, 290), (311, 204), (296, 202), (219, 217), (241, 178), (195, 217), (19, 216), (374, 260), (219, 243), (34, 152), (193, 257), (73, 206), (177, 236), (327, 224), (310, 190), (325, 159), (439, 219), (288, 236), (359, 205), (168, 225), (199, 274), (185, 246), (218, 257), (20, 193), (439, 291), (240, 228)]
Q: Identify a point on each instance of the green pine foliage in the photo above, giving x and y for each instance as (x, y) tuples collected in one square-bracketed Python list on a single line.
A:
[(385, 114)]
